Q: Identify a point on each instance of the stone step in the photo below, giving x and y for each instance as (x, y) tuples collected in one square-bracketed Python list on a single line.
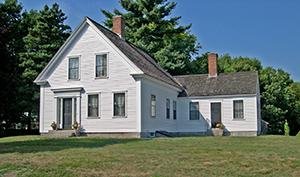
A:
[(60, 133)]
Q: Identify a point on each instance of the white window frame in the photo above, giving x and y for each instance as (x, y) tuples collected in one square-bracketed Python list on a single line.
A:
[(107, 65), (243, 115), (99, 105), (153, 106), (168, 108), (79, 68), (190, 110), (174, 108), (126, 104)]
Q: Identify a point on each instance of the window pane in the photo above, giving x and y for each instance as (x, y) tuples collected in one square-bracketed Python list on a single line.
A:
[(194, 110), (168, 109), (119, 104), (93, 106), (101, 65), (73, 68), (238, 109), (153, 105), (174, 110)]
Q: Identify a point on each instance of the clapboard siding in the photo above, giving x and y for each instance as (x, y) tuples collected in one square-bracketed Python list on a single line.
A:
[(249, 123), (48, 109), (86, 45), (184, 122), (151, 124)]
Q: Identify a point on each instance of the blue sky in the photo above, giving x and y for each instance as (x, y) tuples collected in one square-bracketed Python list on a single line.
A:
[(268, 30)]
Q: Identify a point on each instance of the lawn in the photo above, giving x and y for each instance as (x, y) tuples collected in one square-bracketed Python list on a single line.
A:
[(190, 156)]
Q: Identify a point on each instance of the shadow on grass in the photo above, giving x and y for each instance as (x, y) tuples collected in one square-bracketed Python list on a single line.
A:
[(44, 144)]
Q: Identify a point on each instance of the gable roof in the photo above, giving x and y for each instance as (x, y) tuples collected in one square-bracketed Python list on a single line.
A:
[(137, 56), (238, 83), (140, 58)]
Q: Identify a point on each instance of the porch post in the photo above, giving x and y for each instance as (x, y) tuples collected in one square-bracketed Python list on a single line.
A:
[(61, 113), (73, 110)]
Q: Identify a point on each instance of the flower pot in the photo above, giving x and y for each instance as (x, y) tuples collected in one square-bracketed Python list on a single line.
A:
[(217, 131)]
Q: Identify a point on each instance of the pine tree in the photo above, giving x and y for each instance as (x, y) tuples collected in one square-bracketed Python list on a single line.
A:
[(46, 33), (10, 44), (150, 27)]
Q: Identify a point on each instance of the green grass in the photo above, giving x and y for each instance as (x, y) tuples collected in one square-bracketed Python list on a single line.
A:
[(191, 156)]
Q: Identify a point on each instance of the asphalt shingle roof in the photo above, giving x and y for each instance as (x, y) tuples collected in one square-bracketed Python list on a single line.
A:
[(238, 83), (140, 58), (193, 85)]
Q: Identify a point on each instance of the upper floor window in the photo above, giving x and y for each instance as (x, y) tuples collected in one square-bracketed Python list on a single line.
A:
[(74, 68), (168, 108), (101, 65), (174, 110), (119, 104), (194, 110), (238, 109), (153, 105)]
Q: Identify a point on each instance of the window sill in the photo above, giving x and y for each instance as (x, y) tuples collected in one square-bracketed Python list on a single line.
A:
[(119, 117), (194, 119), (238, 119), (73, 80), (93, 117), (102, 77)]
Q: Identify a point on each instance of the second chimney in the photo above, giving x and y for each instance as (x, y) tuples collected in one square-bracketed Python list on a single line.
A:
[(118, 26), (212, 65)]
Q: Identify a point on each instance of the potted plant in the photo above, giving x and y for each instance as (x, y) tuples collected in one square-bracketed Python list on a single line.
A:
[(76, 128), (54, 125), (218, 129)]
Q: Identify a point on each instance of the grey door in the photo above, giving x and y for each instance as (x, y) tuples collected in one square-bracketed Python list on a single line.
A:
[(67, 113), (215, 110)]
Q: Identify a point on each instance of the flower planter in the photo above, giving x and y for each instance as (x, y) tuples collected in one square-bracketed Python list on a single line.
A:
[(217, 131)]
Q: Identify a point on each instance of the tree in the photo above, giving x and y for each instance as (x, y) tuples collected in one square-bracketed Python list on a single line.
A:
[(295, 125), (278, 99), (226, 64), (46, 33), (150, 27), (10, 43)]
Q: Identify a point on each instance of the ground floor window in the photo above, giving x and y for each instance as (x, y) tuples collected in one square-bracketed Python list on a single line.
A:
[(194, 110), (119, 105), (93, 105), (174, 110), (168, 108), (153, 105), (238, 109)]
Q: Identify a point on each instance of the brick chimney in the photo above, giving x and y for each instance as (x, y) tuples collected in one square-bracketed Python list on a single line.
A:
[(118, 26), (212, 65)]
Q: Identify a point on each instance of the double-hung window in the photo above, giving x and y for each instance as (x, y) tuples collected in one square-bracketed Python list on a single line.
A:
[(93, 105), (101, 65), (153, 105), (194, 110), (174, 110), (168, 108), (73, 68), (119, 105), (238, 109)]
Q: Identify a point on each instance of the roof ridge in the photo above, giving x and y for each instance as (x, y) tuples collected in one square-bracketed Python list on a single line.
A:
[(185, 75)]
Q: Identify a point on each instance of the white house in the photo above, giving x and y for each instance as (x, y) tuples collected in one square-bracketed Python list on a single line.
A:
[(110, 86)]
